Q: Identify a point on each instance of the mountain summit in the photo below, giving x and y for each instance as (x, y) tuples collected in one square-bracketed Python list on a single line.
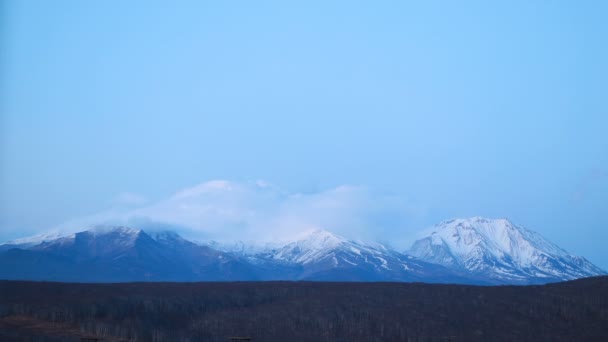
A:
[(500, 251)]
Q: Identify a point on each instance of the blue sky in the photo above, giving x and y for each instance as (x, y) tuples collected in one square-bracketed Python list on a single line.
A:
[(495, 109)]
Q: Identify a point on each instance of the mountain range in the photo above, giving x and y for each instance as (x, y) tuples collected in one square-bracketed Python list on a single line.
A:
[(470, 251)]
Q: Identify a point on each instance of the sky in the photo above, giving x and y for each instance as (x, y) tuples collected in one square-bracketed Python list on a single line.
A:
[(390, 116)]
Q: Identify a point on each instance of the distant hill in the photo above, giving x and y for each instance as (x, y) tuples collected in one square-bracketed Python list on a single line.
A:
[(304, 311)]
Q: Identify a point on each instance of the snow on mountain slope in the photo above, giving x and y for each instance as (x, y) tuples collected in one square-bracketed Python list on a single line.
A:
[(125, 236), (313, 246), (31, 240), (500, 250), (97, 242), (322, 255)]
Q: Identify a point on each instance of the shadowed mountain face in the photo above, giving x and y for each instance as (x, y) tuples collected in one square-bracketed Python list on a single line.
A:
[(474, 251), (304, 311), (122, 254)]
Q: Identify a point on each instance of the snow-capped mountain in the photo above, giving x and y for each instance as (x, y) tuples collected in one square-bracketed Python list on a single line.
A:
[(319, 246), (473, 251), (121, 254), (500, 251), (321, 255)]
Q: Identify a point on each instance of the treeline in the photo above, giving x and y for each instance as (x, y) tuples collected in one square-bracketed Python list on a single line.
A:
[(304, 311)]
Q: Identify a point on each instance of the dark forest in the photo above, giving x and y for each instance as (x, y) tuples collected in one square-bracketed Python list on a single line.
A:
[(304, 311)]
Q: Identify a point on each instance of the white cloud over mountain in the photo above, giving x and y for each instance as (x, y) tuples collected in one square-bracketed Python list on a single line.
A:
[(224, 210)]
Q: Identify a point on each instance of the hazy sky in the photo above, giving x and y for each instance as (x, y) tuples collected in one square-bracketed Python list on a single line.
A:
[(436, 109)]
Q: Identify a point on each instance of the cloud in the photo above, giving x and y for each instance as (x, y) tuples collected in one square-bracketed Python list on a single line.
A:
[(227, 211), (130, 199)]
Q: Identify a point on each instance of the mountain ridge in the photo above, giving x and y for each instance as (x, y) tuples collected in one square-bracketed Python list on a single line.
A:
[(469, 251)]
